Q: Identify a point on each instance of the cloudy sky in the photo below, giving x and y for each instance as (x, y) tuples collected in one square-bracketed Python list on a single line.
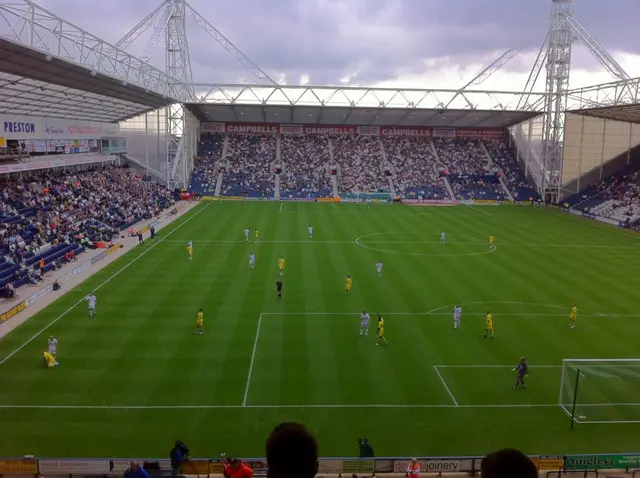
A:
[(404, 43)]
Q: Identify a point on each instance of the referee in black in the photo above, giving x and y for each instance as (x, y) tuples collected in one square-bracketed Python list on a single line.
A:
[(279, 288)]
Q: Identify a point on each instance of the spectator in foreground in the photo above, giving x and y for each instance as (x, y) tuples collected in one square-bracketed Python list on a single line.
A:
[(292, 452), (507, 463), (135, 471), (236, 469), (178, 455)]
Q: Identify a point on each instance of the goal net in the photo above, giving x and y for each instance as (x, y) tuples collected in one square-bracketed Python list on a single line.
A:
[(601, 390)]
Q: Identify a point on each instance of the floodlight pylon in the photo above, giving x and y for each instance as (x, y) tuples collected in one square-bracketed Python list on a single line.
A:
[(555, 56)]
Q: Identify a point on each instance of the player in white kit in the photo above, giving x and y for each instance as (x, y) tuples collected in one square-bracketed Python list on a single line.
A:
[(310, 231), (364, 323), (246, 234), (252, 261), (379, 267), (443, 238), (457, 313), (53, 345), (92, 301)]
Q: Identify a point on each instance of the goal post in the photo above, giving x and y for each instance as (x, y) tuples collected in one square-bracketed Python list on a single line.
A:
[(601, 390)]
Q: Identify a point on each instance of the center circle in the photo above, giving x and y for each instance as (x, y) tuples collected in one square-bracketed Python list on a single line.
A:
[(385, 244)]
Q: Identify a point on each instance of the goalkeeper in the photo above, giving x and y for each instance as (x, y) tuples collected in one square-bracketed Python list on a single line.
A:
[(522, 370)]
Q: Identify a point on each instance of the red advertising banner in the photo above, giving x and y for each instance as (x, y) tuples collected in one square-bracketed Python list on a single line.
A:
[(444, 133), (291, 129), (480, 133), (252, 128), (212, 127), (409, 131), (337, 130), (341, 130), (369, 130)]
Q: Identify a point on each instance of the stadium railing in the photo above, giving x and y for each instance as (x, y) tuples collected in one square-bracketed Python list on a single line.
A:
[(469, 465)]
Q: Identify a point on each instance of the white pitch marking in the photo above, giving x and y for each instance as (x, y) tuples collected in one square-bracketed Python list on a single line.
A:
[(310, 406), (475, 208), (448, 314), (446, 387), (281, 204), (253, 358), (492, 366), (109, 279)]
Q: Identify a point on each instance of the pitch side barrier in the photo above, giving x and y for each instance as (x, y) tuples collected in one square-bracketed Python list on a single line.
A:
[(369, 200), (70, 467), (606, 220)]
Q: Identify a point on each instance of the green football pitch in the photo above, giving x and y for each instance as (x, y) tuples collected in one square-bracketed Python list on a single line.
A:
[(135, 378)]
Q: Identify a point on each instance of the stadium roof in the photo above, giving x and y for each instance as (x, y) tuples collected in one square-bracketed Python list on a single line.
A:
[(361, 106), (353, 115), (39, 84), (626, 113)]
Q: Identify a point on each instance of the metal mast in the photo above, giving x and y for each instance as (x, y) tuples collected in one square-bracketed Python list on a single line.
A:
[(544, 161), (560, 41), (169, 21)]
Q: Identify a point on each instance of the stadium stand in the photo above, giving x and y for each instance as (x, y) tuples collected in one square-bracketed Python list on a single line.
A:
[(512, 174), (469, 169), (415, 167), (58, 217), (208, 165), (249, 171), (616, 197), (360, 161), (306, 161)]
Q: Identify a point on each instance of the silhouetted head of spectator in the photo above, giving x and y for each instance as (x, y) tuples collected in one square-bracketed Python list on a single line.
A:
[(292, 452), (507, 463)]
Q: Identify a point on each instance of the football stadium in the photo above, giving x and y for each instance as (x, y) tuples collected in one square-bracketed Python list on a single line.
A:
[(438, 273)]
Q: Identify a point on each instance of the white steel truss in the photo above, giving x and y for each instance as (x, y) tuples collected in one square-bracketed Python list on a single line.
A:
[(615, 93), (348, 96), (545, 160), (169, 20), (25, 23)]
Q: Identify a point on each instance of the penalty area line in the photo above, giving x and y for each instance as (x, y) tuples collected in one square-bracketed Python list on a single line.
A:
[(253, 358), (105, 282), (446, 387)]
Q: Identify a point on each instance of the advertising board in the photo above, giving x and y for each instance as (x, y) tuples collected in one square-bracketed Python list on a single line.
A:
[(18, 467), (18, 127), (13, 311)]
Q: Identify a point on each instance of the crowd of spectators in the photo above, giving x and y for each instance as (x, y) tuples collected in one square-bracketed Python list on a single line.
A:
[(415, 166), (512, 175), (208, 164), (360, 161), (250, 171), (616, 197), (306, 167), (462, 157), (477, 187), (76, 209)]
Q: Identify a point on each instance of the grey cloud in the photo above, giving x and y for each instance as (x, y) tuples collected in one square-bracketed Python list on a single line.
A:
[(373, 39)]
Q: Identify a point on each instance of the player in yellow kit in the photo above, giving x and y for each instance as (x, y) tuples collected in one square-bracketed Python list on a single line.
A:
[(190, 250), (200, 322), (492, 246), (488, 325), (381, 338), (573, 315), (49, 360), (281, 265), (256, 234), (348, 283)]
